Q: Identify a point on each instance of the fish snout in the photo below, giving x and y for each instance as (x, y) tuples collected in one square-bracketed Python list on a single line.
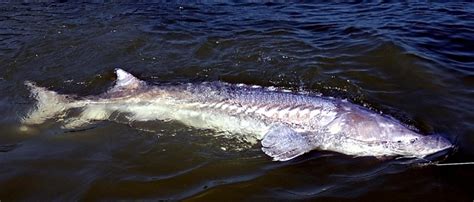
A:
[(435, 144), (441, 142)]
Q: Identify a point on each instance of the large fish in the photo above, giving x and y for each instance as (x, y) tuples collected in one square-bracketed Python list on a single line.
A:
[(288, 124)]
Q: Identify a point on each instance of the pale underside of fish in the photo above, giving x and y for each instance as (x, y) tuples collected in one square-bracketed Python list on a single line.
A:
[(287, 124)]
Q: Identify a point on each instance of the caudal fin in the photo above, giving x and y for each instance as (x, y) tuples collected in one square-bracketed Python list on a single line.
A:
[(49, 104)]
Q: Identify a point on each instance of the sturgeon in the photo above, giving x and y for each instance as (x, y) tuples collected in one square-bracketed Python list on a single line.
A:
[(286, 123)]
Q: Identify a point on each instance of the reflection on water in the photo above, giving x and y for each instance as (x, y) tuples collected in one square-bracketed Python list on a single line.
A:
[(412, 61)]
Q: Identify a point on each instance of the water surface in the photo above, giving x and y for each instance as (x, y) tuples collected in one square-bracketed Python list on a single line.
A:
[(414, 62)]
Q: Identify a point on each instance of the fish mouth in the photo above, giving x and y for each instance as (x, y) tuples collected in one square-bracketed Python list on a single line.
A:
[(442, 153), (435, 156)]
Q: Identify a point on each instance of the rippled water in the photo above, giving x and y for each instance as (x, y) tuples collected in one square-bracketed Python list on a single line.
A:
[(412, 61)]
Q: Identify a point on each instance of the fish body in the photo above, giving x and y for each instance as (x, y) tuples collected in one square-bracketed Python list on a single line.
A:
[(288, 124)]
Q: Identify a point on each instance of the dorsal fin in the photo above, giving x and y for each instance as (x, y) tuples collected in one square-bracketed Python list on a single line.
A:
[(126, 81)]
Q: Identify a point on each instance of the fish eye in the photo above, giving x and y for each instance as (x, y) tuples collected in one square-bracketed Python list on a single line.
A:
[(399, 141)]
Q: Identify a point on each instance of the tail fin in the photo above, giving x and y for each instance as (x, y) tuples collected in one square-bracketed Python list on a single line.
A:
[(49, 104)]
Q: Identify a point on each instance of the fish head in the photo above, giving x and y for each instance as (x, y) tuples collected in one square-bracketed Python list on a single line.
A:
[(386, 136), (419, 146)]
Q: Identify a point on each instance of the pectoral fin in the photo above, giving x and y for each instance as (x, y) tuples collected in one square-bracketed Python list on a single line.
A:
[(86, 117), (75, 123), (283, 143)]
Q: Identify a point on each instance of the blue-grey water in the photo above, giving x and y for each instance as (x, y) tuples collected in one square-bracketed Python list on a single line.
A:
[(412, 61)]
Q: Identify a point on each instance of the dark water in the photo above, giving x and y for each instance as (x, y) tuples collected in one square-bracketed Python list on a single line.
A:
[(413, 61)]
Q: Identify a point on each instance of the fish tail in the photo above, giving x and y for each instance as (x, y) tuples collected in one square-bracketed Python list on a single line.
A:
[(49, 104)]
